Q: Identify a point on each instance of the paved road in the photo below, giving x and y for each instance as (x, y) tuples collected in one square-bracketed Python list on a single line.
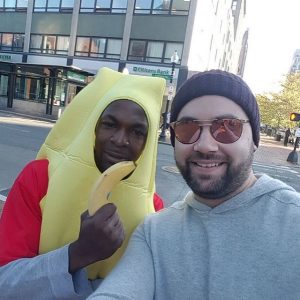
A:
[(288, 175), (20, 139)]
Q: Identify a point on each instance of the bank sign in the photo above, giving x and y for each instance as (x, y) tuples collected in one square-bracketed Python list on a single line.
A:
[(5, 57), (152, 71)]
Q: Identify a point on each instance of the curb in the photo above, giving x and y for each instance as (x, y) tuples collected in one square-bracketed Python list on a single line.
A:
[(28, 116), (164, 143)]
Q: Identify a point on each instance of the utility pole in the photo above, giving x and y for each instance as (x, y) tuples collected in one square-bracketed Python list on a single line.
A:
[(293, 156), (174, 61)]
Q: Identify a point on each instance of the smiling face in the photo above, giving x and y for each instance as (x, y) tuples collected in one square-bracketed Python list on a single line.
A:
[(121, 134), (215, 171)]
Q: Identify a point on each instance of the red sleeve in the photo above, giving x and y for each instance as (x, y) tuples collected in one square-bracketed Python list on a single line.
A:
[(158, 202), (20, 221)]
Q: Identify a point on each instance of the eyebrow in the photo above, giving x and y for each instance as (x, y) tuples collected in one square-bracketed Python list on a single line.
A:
[(143, 125)]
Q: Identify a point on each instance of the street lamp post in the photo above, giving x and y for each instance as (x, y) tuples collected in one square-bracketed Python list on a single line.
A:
[(174, 61), (293, 156)]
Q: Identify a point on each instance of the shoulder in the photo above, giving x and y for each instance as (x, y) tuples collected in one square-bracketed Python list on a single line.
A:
[(34, 176), (165, 217), (286, 197), (36, 167)]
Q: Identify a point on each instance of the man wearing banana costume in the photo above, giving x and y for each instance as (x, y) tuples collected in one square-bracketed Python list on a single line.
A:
[(47, 250)]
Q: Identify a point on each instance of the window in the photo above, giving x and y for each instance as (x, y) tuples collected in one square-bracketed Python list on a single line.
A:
[(113, 48), (103, 6), (62, 45), (153, 51), (53, 6), (49, 44), (98, 47), (173, 7), (18, 42), (11, 42), (82, 46), (137, 50), (6, 41), (13, 5), (31, 88), (170, 49)]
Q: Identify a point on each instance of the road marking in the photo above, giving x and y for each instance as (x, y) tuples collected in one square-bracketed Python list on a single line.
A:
[(13, 128), (278, 168)]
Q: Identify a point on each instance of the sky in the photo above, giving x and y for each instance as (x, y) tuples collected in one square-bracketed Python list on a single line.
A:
[(273, 38)]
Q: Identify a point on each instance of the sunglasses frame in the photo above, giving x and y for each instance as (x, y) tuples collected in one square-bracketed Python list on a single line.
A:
[(202, 123)]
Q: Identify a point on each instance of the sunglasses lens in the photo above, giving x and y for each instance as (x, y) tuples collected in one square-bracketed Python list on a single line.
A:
[(227, 131), (187, 132)]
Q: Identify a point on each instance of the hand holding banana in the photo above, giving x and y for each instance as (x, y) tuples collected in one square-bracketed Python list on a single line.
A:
[(101, 230)]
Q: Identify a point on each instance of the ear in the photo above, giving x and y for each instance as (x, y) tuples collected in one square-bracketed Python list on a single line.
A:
[(254, 148)]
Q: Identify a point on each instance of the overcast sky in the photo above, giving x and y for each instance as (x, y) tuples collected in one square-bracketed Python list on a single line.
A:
[(274, 36)]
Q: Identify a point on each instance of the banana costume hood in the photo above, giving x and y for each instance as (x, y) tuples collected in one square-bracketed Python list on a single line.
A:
[(72, 171)]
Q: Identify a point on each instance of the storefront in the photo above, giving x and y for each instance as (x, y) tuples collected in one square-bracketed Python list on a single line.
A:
[(38, 89)]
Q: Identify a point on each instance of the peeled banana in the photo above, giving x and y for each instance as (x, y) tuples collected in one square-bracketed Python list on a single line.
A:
[(106, 182)]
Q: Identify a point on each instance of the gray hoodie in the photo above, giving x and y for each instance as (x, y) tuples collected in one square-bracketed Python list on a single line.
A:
[(246, 248)]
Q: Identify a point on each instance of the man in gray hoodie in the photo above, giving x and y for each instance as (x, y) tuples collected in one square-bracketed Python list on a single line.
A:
[(236, 235)]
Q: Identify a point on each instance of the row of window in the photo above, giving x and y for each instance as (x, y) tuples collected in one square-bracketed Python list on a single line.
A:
[(178, 7), (13, 5), (109, 48), (153, 51)]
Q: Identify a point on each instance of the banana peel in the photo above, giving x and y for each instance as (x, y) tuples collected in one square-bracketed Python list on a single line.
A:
[(106, 182)]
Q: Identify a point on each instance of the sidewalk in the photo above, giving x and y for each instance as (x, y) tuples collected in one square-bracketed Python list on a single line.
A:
[(272, 152)]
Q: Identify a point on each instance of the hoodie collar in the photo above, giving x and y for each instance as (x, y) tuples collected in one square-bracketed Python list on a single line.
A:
[(262, 186)]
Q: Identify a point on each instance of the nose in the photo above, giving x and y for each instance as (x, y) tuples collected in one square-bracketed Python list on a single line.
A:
[(120, 137), (206, 143)]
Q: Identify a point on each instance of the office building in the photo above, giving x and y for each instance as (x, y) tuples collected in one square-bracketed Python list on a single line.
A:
[(295, 67), (50, 49)]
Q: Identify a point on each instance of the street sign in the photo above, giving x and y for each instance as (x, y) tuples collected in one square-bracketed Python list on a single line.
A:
[(167, 77), (171, 90)]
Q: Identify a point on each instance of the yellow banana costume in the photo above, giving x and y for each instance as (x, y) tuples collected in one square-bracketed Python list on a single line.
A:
[(72, 170)]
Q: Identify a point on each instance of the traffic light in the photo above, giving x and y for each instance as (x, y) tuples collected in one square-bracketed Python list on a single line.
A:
[(294, 117)]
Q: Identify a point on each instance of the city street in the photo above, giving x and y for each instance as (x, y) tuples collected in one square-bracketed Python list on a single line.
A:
[(20, 139)]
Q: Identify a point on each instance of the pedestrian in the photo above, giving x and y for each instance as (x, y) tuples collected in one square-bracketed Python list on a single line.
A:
[(235, 234), (166, 120), (286, 137), (51, 248)]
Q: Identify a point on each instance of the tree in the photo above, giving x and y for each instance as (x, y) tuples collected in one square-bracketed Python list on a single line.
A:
[(275, 108)]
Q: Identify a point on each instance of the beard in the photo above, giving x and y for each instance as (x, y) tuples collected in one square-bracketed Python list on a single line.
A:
[(230, 181)]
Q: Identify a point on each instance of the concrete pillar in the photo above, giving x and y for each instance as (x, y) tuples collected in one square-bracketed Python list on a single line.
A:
[(74, 25), (28, 26), (127, 29)]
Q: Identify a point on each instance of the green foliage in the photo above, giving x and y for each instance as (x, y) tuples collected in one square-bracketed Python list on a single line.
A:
[(275, 108)]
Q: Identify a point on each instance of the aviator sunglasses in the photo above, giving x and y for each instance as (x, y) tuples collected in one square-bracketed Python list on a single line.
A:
[(225, 131)]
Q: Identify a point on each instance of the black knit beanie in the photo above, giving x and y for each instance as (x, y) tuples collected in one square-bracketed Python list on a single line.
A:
[(221, 83)]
